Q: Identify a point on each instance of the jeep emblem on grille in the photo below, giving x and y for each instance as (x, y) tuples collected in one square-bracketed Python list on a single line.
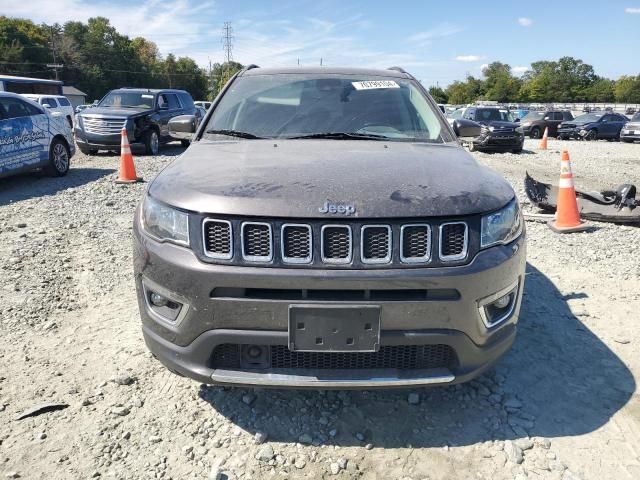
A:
[(345, 209)]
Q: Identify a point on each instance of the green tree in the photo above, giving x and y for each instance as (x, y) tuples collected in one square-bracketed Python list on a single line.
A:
[(500, 84), (438, 94), (601, 90), (468, 91), (627, 89)]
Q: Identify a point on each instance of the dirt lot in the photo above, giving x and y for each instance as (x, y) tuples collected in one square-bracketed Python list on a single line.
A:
[(562, 404)]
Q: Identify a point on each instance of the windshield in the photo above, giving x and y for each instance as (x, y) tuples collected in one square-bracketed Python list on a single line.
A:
[(493, 114), (455, 113), (301, 105), (122, 99), (588, 118), (533, 116)]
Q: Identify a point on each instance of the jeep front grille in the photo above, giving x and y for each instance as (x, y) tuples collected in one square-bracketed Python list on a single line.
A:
[(102, 125), (453, 241), (337, 244), (358, 244)]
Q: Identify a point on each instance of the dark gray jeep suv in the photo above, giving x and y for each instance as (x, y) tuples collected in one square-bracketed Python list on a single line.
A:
[(325, 229), (144, 113)]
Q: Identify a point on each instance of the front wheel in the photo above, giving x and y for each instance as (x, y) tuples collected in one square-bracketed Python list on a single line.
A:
[(591, 135), (151, 143), (535, 132), (59, 159)]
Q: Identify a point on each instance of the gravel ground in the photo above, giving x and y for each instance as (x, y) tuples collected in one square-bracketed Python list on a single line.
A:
[(562, 404)]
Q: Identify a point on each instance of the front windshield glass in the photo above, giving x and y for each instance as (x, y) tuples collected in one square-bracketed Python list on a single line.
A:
[(455, 113), (588, 118), (301, 105), (533, 116), (493, 114), (121, 99)]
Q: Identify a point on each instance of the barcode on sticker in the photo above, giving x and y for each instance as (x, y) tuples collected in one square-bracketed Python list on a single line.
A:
[(369, 84)]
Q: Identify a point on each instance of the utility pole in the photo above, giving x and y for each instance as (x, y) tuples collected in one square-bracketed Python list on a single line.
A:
[(55, 65), (227, 46)]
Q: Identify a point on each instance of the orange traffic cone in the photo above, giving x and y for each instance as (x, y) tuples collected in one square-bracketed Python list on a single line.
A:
[(567, 218), (543, 141), (127, 168)]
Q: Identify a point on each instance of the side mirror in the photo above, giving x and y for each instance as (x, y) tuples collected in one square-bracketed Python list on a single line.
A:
[(466, 128), (95, 102), (517, 120), (46, 105), (182, 127)]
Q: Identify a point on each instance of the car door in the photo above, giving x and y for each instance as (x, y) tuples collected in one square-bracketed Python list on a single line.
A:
[(555, 118), (617, 123), (168, 107), (24, 136)]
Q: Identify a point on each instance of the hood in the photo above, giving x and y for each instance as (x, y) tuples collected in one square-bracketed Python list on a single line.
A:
[(295, 178), (113, 112)]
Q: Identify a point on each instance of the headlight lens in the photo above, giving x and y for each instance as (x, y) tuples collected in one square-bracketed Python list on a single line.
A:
[(502, 226), (519, 130), (165, 223)]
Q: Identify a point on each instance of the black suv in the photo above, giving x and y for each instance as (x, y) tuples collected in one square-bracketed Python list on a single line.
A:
[(144, 113), (534, 123), (326, 229), (500, 131)]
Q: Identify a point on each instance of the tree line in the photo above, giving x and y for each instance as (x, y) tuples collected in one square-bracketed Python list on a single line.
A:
[(567, 80), (96, 59)]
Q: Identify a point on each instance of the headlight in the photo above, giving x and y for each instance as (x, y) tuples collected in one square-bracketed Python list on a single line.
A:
[(165, 223), (519, 130), (526, 124), (502, 226), (484, 130)]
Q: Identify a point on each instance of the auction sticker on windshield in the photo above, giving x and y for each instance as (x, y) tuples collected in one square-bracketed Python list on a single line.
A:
[(370, 84)]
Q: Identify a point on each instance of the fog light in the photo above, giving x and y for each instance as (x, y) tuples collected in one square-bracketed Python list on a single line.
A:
[(158, 300), (502, 302), (254, 351)]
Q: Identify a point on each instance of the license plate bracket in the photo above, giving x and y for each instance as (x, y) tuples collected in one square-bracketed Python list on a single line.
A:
[(340, 328)]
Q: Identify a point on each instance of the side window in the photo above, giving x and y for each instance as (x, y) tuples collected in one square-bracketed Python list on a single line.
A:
[(14, 108), (50, 101), (607, 119), (172, 99), (557, 115), (33, 110), (567, 116), (187, 101), (64, 102)]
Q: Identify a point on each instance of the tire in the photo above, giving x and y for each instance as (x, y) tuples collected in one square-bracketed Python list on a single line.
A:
[(59, 159), (517, 150), (151, 142), (185, 143), (627, 140), (591, 134), (88, 151), (536, 133)]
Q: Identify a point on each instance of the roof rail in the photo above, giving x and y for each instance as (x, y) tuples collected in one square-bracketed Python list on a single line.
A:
[(251, 66), (397, 69)]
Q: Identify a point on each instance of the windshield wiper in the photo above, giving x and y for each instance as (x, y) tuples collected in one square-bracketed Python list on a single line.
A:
[(234, 133), (342, 136)]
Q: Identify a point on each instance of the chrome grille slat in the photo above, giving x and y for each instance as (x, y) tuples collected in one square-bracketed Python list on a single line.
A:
[(337, 244), (454, 240), (415, 243), (257, 242), (217, 238), (102, 125), (375, 244), (296, 243)]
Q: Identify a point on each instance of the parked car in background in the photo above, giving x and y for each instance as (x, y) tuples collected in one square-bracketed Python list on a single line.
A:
[(79, 108), (57, 104), (534, 123), (31, 138), (500, 131), (593, 126), (454, 115), (630, 111), (202, 103), (631, 131), (144, 113)]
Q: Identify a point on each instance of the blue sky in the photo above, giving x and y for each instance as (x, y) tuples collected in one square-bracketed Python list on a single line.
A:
[(438, 41)]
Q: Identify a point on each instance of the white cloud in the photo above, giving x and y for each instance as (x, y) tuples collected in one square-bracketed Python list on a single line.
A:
[(519, 70), (632, 10), (483, 66), (525, 22), (424, 39), (469, 58)]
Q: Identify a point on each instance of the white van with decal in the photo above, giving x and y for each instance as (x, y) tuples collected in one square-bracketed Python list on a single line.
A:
[(32, 138)]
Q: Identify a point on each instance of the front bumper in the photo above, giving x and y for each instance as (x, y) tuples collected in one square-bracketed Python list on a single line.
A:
[(499, 141), (89, 141), (630, 134), (570, 132), (207, 321)]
